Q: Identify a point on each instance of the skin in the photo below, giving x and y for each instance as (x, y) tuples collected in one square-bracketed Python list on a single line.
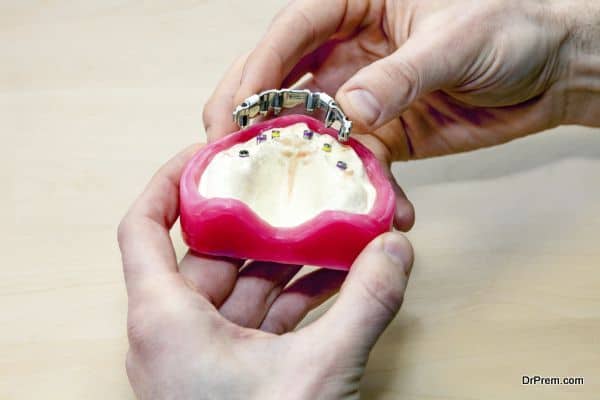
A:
[(419, 78), (204, 329)]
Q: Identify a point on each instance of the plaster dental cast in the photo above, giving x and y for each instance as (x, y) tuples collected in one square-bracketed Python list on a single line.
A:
[(418, 78)]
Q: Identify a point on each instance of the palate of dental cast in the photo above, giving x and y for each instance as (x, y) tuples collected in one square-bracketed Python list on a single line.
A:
[(308, 135), (291, 180)]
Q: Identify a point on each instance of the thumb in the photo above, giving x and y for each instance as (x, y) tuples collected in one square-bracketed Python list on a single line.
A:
[(381, 91), (372, 293)]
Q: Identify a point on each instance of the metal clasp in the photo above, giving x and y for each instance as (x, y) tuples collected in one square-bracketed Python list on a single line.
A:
[(277, 100)]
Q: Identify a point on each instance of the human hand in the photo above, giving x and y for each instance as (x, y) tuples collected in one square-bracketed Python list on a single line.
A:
[(430, 77), (206, 329)]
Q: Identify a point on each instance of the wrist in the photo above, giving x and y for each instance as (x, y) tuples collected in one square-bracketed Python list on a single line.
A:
[(581, 55)]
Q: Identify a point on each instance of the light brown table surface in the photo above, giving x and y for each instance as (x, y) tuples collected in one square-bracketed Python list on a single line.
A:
[(95, 96)]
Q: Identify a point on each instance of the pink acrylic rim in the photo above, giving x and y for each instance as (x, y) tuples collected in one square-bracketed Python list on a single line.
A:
[(194, 203)]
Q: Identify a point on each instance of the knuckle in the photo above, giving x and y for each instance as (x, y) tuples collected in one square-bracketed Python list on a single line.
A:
[(402, 241), (137, 336), (124, 230), (387, 296), (311, 30), (390, 300), (208, 111), (150, 322), (145, 329), (138, 326), (403, 76)]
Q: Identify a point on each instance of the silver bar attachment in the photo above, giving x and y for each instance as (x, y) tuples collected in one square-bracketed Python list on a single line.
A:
[(277, 100)]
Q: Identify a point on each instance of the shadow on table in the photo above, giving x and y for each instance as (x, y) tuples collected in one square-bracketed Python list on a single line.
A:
[(513, 157), (392, 361), (400, 363)]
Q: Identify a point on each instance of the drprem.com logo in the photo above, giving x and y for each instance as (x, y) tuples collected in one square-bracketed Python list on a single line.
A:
[(551, 380)]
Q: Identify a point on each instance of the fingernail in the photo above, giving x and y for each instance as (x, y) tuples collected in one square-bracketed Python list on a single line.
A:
[(365, 105), (399, 251)]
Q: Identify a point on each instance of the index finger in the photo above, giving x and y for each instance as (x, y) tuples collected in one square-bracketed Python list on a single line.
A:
[(298, 29)]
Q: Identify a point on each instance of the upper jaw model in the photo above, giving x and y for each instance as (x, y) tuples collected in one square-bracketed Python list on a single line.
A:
[(290, 175), (285, 190)]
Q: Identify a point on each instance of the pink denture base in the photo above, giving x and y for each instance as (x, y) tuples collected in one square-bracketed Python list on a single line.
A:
[(228, 227)]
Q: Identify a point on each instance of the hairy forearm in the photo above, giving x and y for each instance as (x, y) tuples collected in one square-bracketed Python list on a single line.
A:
[(582, 50)]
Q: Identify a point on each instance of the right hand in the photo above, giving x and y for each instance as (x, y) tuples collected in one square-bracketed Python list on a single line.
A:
[(429, 77), (219, 328)]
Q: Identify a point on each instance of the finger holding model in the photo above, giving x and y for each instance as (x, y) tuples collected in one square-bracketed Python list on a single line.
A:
[(427, 78)]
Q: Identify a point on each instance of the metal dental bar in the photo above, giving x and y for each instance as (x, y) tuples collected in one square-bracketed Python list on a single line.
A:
[(277, 100)]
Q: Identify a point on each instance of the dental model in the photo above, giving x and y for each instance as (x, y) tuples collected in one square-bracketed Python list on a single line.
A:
[(285, 190)]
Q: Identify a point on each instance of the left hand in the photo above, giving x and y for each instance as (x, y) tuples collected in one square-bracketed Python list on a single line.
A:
[(206, 328)]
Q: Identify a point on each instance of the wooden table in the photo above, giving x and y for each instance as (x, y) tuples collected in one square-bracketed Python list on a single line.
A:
[(94, 97)]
